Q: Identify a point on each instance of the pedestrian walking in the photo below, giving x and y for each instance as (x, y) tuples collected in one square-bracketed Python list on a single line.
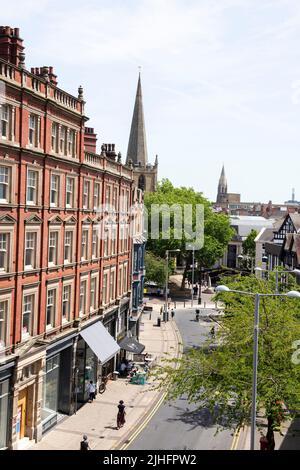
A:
[(121, 414), (91, 391), (212, 332), (84, 444), (172, 313)]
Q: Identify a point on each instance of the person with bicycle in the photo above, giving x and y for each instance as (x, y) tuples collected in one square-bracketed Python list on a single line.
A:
[(102, 386)]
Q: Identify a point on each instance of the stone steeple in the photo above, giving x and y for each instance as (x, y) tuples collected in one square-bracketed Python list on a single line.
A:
[(137, 146), (222, 187)]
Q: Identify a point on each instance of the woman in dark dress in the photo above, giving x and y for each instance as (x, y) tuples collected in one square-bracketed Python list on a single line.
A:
[(121, 415)]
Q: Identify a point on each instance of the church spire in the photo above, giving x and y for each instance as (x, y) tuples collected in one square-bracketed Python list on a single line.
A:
[(222, 187), (137, 146)]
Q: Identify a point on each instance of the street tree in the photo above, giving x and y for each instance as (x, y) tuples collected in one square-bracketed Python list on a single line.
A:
[(220, 379), (155, 269), (217, 230), (249, 247)]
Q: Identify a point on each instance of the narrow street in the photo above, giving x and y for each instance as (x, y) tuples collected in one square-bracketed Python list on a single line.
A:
[(179, 426)]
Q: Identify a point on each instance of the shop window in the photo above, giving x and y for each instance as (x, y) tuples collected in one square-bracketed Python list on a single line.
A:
[(4, 407), (50, 399)]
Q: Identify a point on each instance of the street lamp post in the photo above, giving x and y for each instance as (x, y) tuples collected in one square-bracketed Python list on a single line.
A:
[(257, 296), (193, 278), (200, 286), (167, 278)]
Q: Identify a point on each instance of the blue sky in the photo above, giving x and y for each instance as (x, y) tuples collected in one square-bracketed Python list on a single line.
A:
[(220, 78)]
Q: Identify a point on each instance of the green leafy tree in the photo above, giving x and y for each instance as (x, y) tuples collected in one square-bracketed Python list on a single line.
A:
[(155, 269), (249, 247), (217, 230), (220, 379)]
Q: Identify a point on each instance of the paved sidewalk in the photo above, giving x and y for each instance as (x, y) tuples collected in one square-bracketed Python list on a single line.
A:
[(289, 439), (98, 419)]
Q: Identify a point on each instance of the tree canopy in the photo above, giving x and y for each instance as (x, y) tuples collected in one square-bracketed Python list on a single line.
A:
[(155, 269), (249, 247), (217, 230), (220, 379)]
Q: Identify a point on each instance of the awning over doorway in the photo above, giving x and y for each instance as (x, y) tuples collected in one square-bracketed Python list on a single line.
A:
[(131, 345), (100, 341)]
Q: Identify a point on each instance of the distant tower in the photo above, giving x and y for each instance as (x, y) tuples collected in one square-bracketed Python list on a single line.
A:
[(145, 174), (293, 195), (222, 197)]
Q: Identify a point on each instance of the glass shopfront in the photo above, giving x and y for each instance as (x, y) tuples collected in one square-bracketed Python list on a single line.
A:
[(51, 387), (4, 392), (86, 367)]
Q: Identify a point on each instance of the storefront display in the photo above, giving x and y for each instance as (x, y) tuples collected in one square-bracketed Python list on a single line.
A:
[(4, 400), (86, 370), (51, 387)]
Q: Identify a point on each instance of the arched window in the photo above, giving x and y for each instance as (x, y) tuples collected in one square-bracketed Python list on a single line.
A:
[(142, 182)]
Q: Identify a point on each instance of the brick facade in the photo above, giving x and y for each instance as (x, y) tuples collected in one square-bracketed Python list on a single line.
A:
[(57, 199)]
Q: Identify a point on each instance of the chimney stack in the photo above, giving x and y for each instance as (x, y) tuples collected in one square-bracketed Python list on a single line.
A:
[(90, 140), (11, 45), (110, 151)]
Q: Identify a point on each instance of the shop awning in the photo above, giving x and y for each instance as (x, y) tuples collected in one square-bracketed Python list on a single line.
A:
[(100, 341), (131, 345)]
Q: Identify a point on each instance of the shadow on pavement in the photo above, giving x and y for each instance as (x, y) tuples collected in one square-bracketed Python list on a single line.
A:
[(291, 441)]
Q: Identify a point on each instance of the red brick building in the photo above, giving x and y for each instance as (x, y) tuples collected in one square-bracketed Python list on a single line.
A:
[(65, 250)]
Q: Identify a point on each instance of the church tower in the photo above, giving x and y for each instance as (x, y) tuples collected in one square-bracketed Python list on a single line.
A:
[(145, 174), (222, 197)]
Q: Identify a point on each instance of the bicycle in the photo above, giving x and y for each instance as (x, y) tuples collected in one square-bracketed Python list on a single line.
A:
[(102, 385)]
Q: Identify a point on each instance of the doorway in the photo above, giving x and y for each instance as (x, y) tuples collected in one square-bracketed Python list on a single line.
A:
[(22, 412)]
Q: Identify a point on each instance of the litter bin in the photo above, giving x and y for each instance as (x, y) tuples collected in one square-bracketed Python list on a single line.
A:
[(158, 321), (115, 375)]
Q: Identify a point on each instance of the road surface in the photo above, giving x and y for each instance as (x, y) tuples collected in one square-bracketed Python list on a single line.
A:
[(179, 426)]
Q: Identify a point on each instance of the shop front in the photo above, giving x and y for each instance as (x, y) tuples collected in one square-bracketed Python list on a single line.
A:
[(111, 325), (6, 373), (57, 389), (27, 396), (95, 356), (85, 371), (122, 328)]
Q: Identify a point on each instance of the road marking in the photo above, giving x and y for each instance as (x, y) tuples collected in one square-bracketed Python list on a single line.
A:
[(160, 401), (236, 438), (145, 423)]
